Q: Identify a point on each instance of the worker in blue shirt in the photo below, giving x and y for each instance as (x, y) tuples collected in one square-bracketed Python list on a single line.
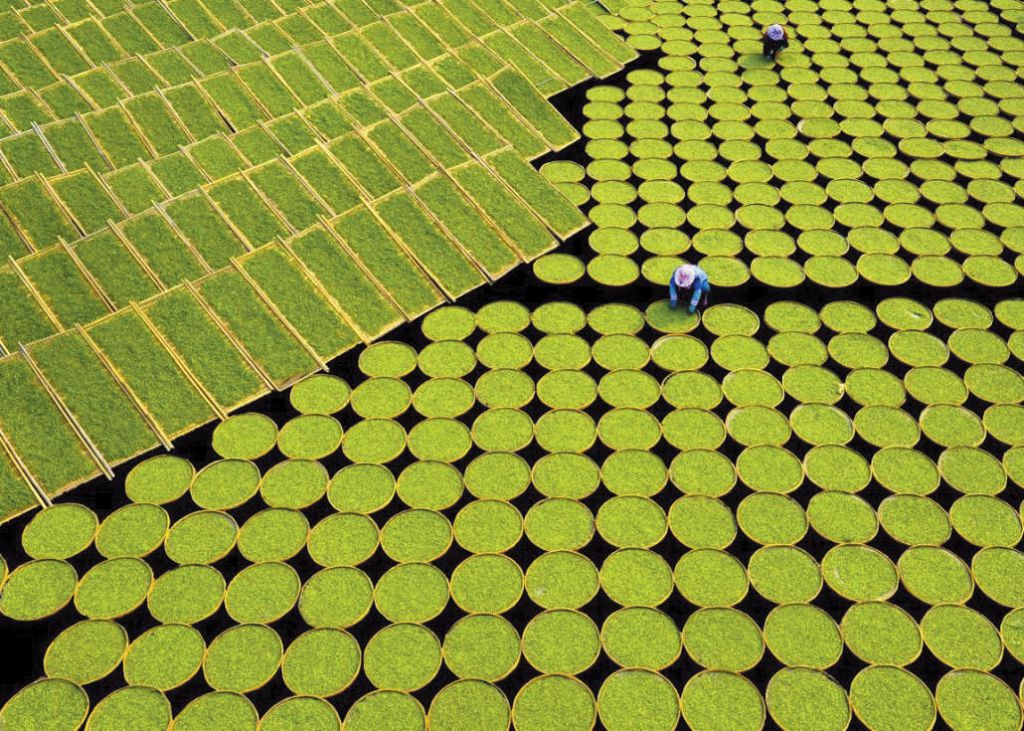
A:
[(775, 38), (689, 276)]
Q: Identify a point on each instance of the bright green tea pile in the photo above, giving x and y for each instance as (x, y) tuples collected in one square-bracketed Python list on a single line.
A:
[(559, 516)]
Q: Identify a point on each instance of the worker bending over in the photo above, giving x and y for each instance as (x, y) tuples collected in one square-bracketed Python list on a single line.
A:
[(689, 276), (775, 39)]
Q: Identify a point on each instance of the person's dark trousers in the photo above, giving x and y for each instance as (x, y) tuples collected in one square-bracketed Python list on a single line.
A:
[(771, 48)]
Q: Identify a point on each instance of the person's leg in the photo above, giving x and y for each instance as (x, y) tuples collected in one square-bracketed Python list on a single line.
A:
[(695, 297), (707, 295), (673, 294)]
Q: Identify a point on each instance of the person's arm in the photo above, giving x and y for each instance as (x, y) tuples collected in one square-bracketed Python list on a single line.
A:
[(673, 294), (695, 297)]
